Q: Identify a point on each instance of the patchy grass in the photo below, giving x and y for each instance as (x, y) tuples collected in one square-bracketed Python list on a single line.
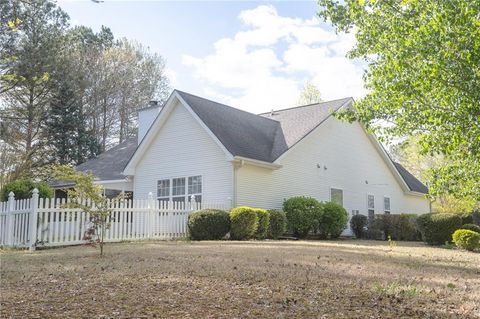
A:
[(270, 279)]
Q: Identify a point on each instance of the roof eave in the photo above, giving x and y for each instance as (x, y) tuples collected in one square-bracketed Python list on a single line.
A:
[(245, 160)]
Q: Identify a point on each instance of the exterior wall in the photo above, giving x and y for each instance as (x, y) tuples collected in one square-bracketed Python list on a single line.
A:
[(145, 120), (350, 160), (183, 148)]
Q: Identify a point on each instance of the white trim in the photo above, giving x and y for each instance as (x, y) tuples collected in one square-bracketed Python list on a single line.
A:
[(170, 187), (337, 188), (158, 123), (368, 208), (244, 160), (389, 203), (111, 181)]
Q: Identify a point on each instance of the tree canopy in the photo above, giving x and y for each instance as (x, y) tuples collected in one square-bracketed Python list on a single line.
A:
[(309, 95), (423, 78)]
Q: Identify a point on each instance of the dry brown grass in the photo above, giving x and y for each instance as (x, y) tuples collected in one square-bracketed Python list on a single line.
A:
[(270, 279)]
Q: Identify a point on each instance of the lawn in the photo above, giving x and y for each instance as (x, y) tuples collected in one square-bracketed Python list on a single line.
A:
[(270, 279)]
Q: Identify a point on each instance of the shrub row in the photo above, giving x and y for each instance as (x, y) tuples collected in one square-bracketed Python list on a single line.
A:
[(466, 239), (242, 223), (306, 214), (438, 228)]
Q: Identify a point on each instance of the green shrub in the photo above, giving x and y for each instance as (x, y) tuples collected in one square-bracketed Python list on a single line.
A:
[(22, 188), (278, 223), (437, 228), (333, 221), (358, 224), (471, 227), (467, 218), (302, 214), (208, 224), (397, 226), (466, 239), (244, 223), (263, 223)]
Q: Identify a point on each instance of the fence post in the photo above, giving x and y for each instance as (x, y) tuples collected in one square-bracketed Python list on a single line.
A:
[(33, 219), (151, 207), (10, 217)]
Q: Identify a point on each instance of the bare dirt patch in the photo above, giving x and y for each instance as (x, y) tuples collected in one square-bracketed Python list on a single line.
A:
[(270, 279)]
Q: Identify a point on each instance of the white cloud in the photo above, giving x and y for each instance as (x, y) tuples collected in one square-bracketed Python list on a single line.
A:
[(249, 70)]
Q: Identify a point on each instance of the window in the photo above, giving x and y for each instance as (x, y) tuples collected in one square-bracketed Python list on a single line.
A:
[(336, 196), (371, 205), (163, 189), (195, 188), (386, 205), (180, 189)]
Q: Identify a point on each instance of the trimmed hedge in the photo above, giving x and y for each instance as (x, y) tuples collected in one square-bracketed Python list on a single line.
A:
[(244, 222), (437, 228), (471, 227), (22, 188), (303, 213), (467, 218), (208, 224), (333, 221), (263, 223), (466, 239), (358, 224), (397, 226), (278, 223)]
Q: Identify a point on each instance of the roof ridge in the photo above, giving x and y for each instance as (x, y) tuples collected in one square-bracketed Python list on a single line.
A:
[(300, 106), (229, 106)]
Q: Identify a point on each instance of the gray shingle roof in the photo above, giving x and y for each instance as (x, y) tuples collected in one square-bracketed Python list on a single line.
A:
[(110, 164), (413, 183), (261, 137)]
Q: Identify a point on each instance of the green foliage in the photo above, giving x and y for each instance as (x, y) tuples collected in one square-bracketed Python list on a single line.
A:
[(423, 76), (333, 221), (208, 224), (438, 228), (466, 218), (466, 239), (244, 223), (309, 95), (22, 188), (98, 209), (397, 226), (278, 223), (358, 224), (263, 223), (472, 227), (303, 213)]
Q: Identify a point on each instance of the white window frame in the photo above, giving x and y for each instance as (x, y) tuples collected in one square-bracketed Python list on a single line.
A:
[(368, 206), (389, 210), (186, 194), (338, 189)]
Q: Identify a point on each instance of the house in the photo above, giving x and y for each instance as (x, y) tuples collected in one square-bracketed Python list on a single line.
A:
[(192, 146)]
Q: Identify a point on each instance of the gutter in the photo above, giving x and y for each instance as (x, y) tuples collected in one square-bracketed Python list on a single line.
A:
[(244, 160)]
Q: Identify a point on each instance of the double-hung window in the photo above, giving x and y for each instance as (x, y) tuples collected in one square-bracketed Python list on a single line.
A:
[(386, 205), (371, 205), (163, 190), (180, 189), (336, 196)]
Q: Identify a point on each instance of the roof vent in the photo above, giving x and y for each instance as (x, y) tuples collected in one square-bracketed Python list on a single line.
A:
[(272, 113), (153, 103)]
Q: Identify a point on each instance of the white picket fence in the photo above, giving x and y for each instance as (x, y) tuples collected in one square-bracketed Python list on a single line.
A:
[(47, 222)]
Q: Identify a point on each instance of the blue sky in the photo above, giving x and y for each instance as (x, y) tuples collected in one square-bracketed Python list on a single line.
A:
[(253, 55)]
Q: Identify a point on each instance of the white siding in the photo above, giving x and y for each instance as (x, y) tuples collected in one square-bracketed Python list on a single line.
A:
[(350, 159), (145, 120), (121, 186), (183, 148)]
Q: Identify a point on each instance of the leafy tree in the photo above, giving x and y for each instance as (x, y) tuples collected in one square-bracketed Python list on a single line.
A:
[(309, 95), (98, 209), (409, 153), (22, 188), (28, 60), (423, 77)]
